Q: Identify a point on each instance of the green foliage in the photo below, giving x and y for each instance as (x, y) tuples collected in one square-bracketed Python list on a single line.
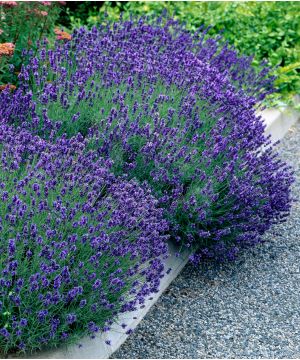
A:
[(268, 30), (77, 12), (23, 24)]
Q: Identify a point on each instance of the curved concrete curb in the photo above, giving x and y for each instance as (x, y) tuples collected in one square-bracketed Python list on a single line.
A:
[(278, 122)]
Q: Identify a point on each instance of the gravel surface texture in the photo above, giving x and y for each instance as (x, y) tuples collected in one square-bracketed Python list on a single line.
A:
[(246, 309)]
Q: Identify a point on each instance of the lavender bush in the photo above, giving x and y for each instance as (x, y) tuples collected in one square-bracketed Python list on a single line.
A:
[(129, 105), (172, 109), (59, 79), (77, 245), (220, 183)]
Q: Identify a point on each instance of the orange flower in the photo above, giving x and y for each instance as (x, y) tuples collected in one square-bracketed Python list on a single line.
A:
[(7, 49), (62, 35), (11, 87)]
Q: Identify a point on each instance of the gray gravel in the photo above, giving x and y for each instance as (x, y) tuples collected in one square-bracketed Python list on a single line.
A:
[(246, 309)]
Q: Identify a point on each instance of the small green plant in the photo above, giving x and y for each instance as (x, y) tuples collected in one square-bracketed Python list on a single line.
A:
[(23, 24)]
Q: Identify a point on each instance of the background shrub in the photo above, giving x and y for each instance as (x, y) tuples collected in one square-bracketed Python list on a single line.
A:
[(78, 12)]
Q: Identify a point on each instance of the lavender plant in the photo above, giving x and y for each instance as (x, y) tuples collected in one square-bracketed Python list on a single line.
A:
[(78, 246), (128, 49), (220, 182), (170, 108)]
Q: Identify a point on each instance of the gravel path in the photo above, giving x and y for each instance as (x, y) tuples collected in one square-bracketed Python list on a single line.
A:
[(246, 309)]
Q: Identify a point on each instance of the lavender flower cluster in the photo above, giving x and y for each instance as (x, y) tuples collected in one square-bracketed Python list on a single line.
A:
[(95, 124), (78, 246)]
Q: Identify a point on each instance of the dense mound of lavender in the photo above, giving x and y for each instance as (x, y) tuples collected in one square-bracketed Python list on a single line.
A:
[(172, 109), (119, 134)]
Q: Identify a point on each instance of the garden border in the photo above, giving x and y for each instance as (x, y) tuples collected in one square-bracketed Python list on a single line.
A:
[(278, 123)]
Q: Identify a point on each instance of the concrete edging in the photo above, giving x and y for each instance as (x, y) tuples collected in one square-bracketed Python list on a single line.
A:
[(278, 122), (97, 348)]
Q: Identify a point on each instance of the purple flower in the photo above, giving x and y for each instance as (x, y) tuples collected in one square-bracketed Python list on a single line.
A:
[(92, 327), (97, 284), (71, 318), (42, 314), (12, 247), (22, 346), (82, 303), (35, 187), (64, 335), (23, 322), (4, 332)]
